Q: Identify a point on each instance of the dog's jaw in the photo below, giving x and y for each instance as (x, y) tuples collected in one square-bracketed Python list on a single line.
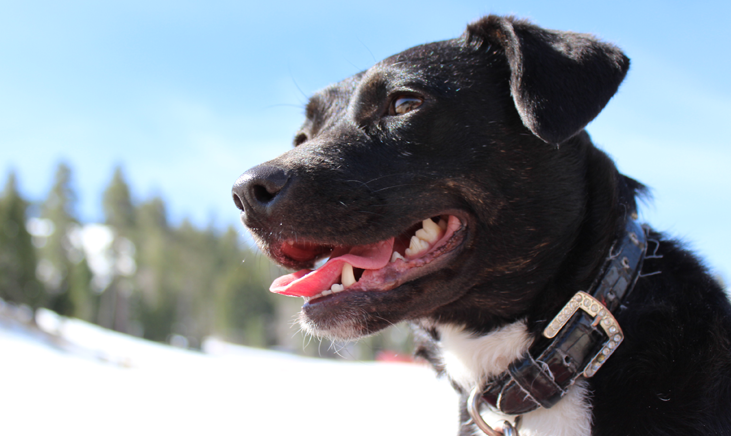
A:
[(386, 296), (347, 325), (470, 359)]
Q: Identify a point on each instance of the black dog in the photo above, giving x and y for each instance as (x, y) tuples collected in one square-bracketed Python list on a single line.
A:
[(453, 186)]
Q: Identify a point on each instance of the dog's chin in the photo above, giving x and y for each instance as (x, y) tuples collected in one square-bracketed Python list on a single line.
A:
[(341, 327), (406, 287)]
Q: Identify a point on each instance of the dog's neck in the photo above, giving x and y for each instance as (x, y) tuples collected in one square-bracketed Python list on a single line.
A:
[(523, 373), (470, 359), (578, 340)]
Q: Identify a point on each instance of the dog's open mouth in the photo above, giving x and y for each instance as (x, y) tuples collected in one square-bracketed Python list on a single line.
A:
[(381, 266)]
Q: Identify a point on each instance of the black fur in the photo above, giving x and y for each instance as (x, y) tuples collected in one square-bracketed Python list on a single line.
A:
[(553, 106), (498, 142)]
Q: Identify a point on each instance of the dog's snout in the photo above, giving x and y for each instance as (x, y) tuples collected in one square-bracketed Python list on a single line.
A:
[(258, 189)]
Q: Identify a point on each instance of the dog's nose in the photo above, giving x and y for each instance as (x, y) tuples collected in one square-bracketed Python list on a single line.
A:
[(257, 190)]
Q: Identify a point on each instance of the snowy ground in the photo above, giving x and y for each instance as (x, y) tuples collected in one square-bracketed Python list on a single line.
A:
[(73, 378)]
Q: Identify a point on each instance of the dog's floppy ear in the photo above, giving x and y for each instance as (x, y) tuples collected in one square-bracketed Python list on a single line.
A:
[(559, 81)]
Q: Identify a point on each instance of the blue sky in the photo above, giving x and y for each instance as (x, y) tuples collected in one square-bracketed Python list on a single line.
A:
[(186, 95)]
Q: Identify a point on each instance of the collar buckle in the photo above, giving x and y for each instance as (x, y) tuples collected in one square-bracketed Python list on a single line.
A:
[(602, 317)]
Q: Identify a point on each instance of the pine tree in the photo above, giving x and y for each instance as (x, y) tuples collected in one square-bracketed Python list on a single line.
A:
[(115, 302), (84, 300), (192, 274), (70, 293), (157, 299), (245, 310), (117, 203), (18, 282)]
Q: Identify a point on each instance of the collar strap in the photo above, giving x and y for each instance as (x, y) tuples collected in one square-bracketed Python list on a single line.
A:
[(578, 340)]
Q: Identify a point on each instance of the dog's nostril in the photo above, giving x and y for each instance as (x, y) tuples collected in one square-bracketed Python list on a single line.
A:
[(238, 203), (262, 195), (257, 190)]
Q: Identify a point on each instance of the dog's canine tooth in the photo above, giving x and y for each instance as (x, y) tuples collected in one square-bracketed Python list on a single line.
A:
[(347, 275), (396, 255), (442, 224), (430, 231)]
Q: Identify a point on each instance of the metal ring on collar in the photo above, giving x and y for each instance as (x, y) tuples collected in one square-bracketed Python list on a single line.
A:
[(473, 407)]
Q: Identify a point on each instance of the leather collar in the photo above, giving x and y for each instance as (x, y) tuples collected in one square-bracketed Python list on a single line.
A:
[(578, 340)]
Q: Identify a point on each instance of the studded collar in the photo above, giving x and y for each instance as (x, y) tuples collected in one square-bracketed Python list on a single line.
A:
[(577, 342)]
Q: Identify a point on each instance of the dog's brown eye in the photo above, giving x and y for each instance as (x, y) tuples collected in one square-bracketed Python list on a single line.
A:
[(404, 104)]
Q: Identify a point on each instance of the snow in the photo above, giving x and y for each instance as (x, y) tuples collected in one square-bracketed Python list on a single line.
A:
[(69, 377)]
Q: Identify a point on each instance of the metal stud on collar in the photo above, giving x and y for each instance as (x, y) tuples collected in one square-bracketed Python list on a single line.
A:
[(473, 407), (603, 318)]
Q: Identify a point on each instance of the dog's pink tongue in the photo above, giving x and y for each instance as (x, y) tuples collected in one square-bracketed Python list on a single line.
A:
[(308, 283)]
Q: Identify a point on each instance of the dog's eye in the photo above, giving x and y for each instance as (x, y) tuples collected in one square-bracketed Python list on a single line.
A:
[(404, 104)]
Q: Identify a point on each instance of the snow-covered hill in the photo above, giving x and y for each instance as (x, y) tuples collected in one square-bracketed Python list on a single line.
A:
[(73, 378)]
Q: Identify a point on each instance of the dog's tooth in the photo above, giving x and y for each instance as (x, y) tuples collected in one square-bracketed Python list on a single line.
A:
[(396, 255), (347, 276), (325, 293), (337, 287), (416, 246), (442, 224), (424, 235), (429, 224), (430, 232), (307, 299)]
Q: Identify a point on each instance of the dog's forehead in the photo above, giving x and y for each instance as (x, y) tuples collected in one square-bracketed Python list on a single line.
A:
[(416, 65), (426, 54)]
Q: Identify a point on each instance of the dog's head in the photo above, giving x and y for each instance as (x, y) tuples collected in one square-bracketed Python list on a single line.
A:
[(434, 181)]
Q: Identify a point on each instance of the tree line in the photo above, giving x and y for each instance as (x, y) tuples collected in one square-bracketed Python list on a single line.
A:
[(146, 277), (138, 273)]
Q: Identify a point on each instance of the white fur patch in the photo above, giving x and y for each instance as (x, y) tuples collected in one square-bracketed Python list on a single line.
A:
[(471, 359)]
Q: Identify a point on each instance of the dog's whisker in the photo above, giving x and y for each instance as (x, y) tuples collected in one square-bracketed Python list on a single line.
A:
[(393, 187), (298, 106), (369, 50), (295, 82)]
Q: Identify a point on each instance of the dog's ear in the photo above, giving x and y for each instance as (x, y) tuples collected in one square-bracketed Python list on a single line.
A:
[(559, 81)]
